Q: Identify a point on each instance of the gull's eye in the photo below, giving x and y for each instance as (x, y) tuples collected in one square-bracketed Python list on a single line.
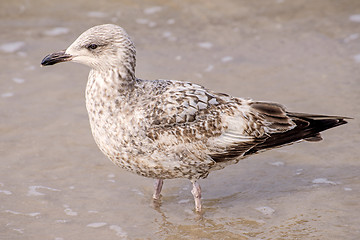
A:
[(92, 46)]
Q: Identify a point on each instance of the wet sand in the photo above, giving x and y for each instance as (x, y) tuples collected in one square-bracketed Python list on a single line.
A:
[(55, 183)]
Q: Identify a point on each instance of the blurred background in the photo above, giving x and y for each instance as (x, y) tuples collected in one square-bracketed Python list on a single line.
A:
[(55, 184)]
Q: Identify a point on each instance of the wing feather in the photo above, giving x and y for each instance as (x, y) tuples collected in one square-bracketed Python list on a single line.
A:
[(225, 128)]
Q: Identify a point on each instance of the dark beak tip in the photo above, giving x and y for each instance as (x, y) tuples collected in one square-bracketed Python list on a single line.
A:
[(45, 61), (54, 58)]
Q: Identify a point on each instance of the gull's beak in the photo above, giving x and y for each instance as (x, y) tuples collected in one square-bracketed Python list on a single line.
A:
[(54, 58)]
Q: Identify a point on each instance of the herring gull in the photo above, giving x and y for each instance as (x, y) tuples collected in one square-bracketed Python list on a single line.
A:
[(166, 129)]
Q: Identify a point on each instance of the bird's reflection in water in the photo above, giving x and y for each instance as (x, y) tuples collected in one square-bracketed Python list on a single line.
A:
[(190, 224)]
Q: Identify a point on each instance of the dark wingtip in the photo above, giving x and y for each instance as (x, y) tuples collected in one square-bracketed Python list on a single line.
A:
[(317, 116), (308, 128)]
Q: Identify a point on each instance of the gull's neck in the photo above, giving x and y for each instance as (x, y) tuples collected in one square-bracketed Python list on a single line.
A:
[(106, 84), (126, 70), (108, 102)]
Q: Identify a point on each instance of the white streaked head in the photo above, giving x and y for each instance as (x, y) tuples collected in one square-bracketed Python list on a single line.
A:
[(101, 47)]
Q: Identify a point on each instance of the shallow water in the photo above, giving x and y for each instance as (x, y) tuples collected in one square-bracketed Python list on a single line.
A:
[(55, 184)]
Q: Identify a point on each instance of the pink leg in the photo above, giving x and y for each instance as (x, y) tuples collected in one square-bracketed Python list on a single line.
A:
[(158, 186), (196, 192)]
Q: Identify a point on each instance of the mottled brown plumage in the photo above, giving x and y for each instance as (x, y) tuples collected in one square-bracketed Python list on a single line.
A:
[(171, 129)]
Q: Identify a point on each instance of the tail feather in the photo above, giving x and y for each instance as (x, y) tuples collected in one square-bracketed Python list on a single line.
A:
[(308, 127)]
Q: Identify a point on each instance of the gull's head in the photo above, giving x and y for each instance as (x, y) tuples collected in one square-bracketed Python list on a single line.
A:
[(101, 47)]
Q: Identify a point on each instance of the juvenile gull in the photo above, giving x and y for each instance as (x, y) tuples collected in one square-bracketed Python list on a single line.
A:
[(165, 129)]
